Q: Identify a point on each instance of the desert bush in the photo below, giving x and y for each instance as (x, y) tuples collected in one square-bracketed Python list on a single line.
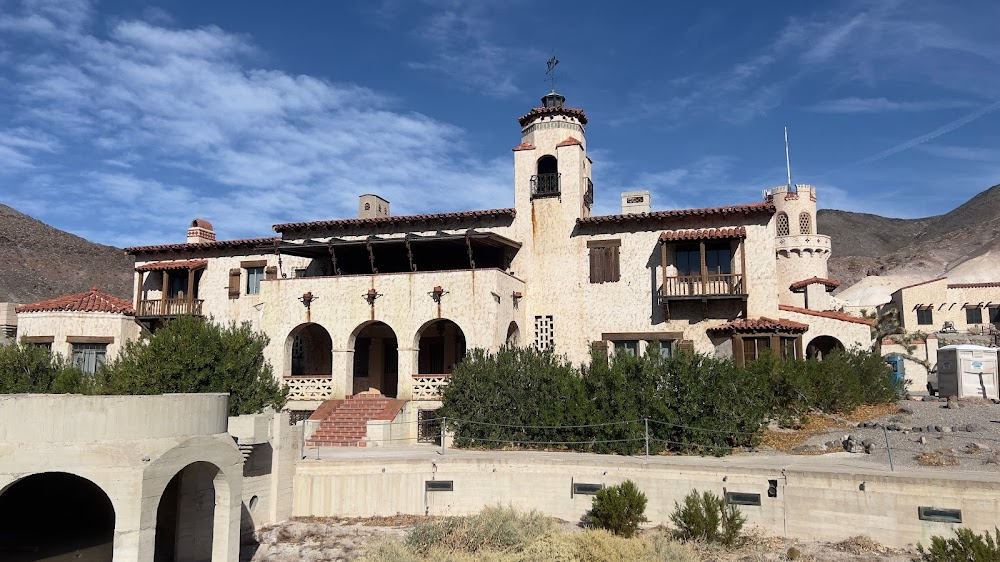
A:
[(600, 545), (965, 546), (555, 547), (708, 518), (493, 529), (389, 550), (619, 509)]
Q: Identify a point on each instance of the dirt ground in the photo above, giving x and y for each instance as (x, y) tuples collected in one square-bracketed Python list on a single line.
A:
[(335, 539)]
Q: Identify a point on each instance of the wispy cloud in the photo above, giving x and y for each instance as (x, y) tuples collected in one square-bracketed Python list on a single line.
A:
[(884, 105), (171, 123), (967, 153)]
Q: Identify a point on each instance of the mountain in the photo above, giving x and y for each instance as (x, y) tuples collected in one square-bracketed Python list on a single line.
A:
[(963, 244), (39, 262)]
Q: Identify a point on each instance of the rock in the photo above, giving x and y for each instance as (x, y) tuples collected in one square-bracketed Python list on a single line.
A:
[(952, 403), (980, 446), (922, 440), (918, 429), (937, 428), (906, 410), (929, 429), (867, 442), (869, 448), (809, 449), (945, 429), (972, 428)]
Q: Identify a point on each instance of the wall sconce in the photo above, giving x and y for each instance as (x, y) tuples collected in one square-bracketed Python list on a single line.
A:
[(437, 293), (516, 295), (307, 299), (370, 296)]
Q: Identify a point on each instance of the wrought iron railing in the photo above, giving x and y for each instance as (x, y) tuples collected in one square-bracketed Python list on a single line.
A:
[(713, 284), (312, 387), (545, 185), (428, 387), (169, 307), (588, 196)]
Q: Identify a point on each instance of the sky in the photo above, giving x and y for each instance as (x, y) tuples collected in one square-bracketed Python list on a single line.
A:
[(120, 121)]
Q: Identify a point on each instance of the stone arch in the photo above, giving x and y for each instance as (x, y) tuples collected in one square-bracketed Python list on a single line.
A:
[(513, 335), (782, 224), (805, 223), (440, 345), (821, 346), (547, 164), (54, 514), (188, 525), (376, 358), (309, 351)]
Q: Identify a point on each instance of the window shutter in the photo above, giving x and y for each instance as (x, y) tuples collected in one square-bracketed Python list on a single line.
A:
[(271, 273), (234, 283), (597, 265), (613, 272)]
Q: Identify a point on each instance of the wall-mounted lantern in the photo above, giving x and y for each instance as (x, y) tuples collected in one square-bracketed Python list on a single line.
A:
[(516, 296), (437, 293), (307, 299), (370, 296)]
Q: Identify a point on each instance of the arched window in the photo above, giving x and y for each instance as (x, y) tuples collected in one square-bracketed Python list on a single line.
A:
[(805, 224), (546, 181), (782, 224)]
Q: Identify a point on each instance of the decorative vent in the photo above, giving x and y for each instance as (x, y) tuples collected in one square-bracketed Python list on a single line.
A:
[(544, 333), (939, 514), (579, 488), (782, 224), (439, 485), (805, 224), (739, 498)]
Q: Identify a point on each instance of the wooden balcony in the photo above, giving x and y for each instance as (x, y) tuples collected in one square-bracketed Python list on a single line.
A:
[(167, 308), (724, 285)]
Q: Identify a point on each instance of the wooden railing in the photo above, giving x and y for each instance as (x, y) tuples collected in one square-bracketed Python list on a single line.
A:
[(696, 285), (169, 307), (312, 387), (428, 387)]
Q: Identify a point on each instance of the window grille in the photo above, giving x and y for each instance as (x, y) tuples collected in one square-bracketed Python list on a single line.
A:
[(544, 333), (805, 224), (89, 356), (254, 277), (783, 224)]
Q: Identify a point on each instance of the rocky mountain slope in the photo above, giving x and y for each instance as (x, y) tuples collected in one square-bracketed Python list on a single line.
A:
[(963, 244), (39, 262)]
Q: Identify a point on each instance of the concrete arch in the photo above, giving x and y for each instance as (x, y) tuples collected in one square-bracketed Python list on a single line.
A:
[(821, 346), (440, 345), (50, 514), (308, 351), (186, 517)]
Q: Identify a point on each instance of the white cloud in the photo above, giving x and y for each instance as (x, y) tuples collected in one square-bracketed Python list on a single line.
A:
[(969, 153), (172, 123), (883, 105)]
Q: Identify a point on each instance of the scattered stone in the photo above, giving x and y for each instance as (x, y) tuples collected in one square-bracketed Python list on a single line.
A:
[(945, 429), (929, 429), (922, 440), (869, 448), (952, 403), (918, 429), (937, 428), (867, 442), (906, 410), (809, 449), (972, 428)]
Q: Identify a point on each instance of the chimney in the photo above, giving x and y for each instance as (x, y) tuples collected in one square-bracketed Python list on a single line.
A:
[(372, 207), (635, 202), (200, 232), (8, 322)]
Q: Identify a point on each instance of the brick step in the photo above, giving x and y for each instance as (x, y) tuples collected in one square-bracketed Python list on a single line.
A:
[(325, 443)]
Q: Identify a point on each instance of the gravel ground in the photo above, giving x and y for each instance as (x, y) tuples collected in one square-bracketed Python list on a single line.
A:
[(925, 433)]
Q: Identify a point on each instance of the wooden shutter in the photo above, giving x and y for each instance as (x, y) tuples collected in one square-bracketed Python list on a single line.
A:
[(612, 273), (270, 273), (597, 265), (234, 283)]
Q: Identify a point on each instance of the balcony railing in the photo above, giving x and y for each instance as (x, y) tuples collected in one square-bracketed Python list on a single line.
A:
[(711, 285), (428, 387), (169, 307), (311, 387), (545, 185)]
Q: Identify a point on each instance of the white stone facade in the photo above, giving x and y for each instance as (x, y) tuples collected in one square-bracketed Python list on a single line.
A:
[(971, 308)]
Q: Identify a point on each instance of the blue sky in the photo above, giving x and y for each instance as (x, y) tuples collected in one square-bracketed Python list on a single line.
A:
[(122, 120)]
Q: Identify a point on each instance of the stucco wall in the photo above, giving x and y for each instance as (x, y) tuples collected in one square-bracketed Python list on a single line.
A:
[(850, 334), (60, 325), (947, 304)]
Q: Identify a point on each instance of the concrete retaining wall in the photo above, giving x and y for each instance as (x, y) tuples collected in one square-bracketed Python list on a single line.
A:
[(810, 504)]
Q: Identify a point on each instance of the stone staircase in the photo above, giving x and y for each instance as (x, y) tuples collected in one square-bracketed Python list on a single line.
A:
[(344, 423)]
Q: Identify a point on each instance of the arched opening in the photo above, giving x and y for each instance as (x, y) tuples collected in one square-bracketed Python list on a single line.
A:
[(822, 346), (548, 165), (782, 224), (185, 516), (546, 180), (805, 223), (376, 359), (513, 335), (311, 350), (56, 514), (441, 345)]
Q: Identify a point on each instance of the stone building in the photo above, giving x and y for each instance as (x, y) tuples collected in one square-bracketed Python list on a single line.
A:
[(391, 303), (936, 305)]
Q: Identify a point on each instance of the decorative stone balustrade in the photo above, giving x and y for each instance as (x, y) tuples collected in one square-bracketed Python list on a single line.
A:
[(309, 387), (798, 243), (428, 387)]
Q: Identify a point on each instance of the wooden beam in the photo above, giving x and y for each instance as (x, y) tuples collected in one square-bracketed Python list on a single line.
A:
[(704, 269), (743, 266), (190, 292), (163, 294), (138, 292)]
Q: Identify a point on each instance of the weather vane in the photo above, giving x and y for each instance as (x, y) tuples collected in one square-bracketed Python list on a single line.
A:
[(552, 71)]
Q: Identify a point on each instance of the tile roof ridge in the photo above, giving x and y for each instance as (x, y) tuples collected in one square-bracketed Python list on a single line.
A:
[(831, 314)]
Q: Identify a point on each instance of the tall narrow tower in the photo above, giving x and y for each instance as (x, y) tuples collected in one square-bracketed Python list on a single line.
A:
[(801, 252)]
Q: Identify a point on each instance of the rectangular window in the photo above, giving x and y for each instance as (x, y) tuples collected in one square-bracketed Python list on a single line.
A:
[(718, 258), (688, 260), (663, 347), (628, 347), (89, 356), (994, 315), (788, 348), (177, 285), (925, 316), (254, 277), (754, 347), (604, 266), (974, 315)]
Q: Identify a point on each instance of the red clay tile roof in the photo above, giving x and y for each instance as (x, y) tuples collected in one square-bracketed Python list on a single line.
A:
[(703, 234), (761, 325), (523, 146), (833, 314), (221, 244), (570, 141), (798, 286), (170, 265), (91, 301), (400, 220), (751, 208), (974, 285), (922, 283), (538, 111)]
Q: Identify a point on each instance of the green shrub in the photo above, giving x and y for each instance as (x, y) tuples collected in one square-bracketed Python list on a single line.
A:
[(966, 546), (708, 518), (29, 368), (493, 529), (619, 509)]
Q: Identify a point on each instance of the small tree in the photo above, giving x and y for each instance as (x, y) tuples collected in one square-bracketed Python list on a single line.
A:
[(709, 518), (190, 354), (619, 509), (26, 367)]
